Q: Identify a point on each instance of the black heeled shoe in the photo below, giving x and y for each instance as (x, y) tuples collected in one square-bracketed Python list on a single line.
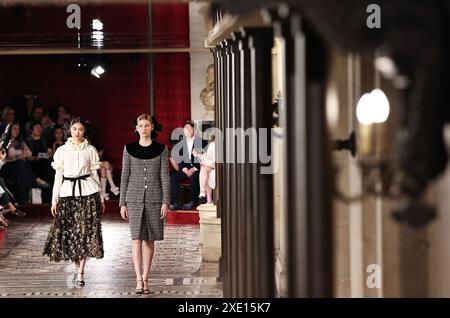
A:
[(139, 291), (78, 279), (202, 199), (145, 291)]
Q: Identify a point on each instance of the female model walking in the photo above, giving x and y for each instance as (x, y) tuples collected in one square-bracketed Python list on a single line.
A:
[(144, 196), (76, 233)]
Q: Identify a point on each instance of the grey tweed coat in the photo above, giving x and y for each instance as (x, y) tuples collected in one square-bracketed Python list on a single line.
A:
[(144, 187)]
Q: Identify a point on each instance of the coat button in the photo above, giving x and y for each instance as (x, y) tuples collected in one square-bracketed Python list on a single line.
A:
[(145, 169), (145, 187)]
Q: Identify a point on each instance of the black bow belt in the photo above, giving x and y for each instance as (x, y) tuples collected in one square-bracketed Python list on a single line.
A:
[(76, 180)]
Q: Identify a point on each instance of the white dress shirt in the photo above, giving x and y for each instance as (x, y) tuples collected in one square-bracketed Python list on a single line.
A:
[(190, 145), (73, 161)]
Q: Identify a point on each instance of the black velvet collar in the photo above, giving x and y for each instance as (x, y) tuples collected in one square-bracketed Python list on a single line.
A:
[(149, 152)]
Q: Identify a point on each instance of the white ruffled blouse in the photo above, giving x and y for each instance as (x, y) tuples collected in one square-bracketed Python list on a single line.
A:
[(71, 161)]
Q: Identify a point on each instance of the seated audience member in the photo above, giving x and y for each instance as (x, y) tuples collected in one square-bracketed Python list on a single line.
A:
[(36, 116), (41, 157), (5, 200), (106, 169), (63, 119), (47, 128), (106, 174), (207, 172), (58, 137), (189, 167), (17, 168)]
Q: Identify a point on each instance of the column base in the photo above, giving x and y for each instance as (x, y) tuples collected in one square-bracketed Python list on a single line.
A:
[(210, 233)]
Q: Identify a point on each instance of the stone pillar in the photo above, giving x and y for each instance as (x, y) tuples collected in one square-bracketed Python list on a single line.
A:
[(260, 46), (308, 180), (245, 173)]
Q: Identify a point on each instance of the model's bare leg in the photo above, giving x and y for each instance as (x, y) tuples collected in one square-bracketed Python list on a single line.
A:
[(209, 194), (137, 261), (203, 180), (149, 249)]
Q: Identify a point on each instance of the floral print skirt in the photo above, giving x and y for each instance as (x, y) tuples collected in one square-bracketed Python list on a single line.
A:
[(76, 232)]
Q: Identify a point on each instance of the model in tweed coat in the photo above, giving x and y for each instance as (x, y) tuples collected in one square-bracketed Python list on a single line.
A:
[(144, 196), (145, 185)]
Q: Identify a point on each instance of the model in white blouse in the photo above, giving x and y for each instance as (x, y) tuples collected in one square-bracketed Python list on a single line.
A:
[(72, 161)]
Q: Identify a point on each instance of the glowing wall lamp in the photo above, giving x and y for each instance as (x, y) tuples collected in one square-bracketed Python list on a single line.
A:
[(373, 107)]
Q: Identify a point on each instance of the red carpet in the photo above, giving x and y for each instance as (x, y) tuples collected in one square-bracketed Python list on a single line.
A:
[(183, 217)]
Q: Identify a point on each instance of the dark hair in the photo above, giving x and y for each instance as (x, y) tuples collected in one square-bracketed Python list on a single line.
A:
[(53, 112), (190, 123), (61, 105), (35, 123), (7, 137), (56, 127), (86, 124), (37, 107)]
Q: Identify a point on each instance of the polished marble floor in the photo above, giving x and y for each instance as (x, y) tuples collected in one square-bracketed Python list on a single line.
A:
[(177, 269)]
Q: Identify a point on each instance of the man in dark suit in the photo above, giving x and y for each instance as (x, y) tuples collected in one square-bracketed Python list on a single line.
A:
[(189, 166)]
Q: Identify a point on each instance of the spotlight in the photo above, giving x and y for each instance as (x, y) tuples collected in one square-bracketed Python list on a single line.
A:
[(97, 71), (97, 25)]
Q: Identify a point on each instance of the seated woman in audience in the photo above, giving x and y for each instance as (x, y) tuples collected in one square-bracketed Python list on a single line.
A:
[(37, 115), (63, 120), (17, 168), (207, 172), (41, 158), (106, 170), (58, 137), (47, 127), (5, 201)]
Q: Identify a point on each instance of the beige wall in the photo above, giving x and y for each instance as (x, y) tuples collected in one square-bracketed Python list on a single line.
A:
[(199, 61)]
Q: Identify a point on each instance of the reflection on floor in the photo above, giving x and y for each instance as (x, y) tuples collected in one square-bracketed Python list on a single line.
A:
[(177, 269)]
